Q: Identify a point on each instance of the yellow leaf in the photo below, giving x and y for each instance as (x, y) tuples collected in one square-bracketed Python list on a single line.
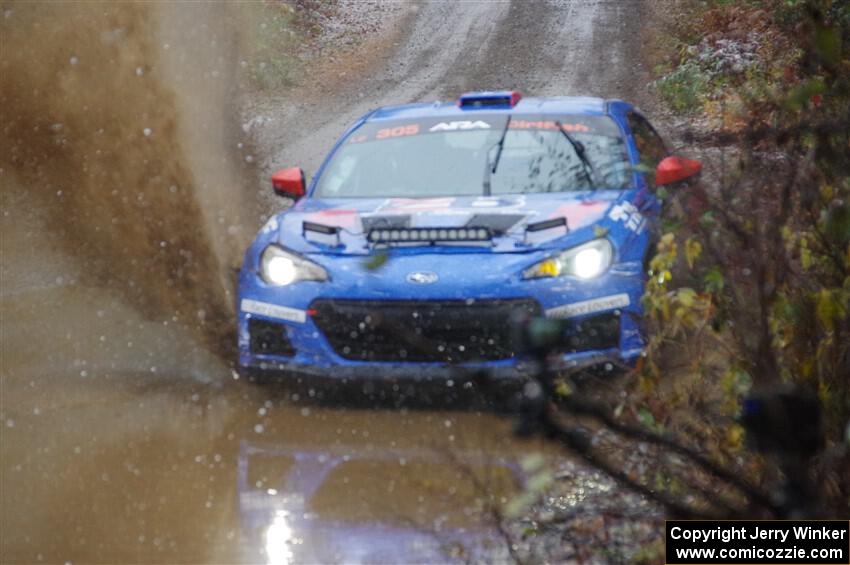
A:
[(735, 437), (828, 308), (563, 389), (600, 231), (686, 297), (806, 367), (805, 254), (693, 249)]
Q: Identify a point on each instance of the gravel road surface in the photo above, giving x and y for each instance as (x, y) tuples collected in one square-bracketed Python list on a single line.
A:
[(438, 50)]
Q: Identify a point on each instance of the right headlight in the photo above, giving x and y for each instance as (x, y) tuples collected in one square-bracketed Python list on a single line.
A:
[(281, 267), (585, 261)]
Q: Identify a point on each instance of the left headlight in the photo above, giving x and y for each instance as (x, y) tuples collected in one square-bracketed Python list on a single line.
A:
[(280, 267), (584, 261)]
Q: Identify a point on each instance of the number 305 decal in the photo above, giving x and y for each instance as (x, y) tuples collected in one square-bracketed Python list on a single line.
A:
[(398, 131)]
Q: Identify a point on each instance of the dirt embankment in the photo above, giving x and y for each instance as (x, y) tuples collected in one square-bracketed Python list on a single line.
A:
[(117, 154)]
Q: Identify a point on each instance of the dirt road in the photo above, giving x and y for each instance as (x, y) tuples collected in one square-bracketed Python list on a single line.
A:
[(437, 50), (125, 437)]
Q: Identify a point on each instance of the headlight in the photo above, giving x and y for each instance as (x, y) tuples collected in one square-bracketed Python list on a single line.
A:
[(584, 261), (280, 267)]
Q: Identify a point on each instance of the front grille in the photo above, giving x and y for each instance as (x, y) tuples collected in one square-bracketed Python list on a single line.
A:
[(455, 331), (269, 338), (592, 333)]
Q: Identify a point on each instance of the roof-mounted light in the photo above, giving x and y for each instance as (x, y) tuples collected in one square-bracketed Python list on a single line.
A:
[(484, 100)]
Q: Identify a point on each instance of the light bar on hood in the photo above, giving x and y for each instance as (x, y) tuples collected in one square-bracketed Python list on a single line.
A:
[(485, 100), (469, 234)]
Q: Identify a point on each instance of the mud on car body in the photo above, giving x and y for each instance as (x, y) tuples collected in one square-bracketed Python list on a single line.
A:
[(430, 226)]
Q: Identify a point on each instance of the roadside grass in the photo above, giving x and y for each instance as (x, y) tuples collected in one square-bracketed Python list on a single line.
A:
[(684, 88), (272, 38), (273, 35)]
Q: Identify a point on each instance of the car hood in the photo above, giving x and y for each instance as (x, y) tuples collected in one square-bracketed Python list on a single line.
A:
[(507, 218)]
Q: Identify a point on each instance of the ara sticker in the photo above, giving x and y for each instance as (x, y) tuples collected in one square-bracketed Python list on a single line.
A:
[(460, 125)]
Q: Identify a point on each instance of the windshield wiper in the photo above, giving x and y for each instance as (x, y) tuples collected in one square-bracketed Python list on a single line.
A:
[(490, 168), (578, 147)]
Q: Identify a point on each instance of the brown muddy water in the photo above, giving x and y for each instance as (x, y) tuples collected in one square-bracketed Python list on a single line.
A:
[(125, 436)]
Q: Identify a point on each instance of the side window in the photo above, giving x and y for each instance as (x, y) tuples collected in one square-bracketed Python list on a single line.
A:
[(649, 145)]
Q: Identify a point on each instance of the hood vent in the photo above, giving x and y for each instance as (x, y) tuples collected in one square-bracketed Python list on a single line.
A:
[(321, 233)]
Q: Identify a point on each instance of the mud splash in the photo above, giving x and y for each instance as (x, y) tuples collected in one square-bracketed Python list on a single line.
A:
[(108, 132)]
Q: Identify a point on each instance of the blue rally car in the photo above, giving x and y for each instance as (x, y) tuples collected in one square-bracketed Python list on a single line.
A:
[(430, 226)]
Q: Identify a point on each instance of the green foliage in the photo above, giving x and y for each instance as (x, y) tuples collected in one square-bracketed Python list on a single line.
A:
[(714, 280), (801, 96), (684, 88), (648, 421), (828, 44)]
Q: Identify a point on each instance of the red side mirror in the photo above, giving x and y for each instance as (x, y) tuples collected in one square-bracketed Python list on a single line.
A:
[(676, 169), (289, 183)]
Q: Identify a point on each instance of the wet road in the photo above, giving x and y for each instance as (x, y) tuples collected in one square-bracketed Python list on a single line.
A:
[(125, 438)]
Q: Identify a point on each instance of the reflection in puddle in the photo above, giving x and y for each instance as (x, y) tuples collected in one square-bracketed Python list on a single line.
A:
[(278, 538), (341, 504)]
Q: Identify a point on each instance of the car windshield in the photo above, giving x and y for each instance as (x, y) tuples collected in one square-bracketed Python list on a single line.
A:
[(441, 157)]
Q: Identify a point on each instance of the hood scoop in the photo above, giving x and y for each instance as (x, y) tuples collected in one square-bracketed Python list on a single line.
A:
[(532, 230), (321, 233)]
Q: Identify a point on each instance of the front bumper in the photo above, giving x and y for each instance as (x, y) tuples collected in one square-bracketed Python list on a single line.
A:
[(324, 329)]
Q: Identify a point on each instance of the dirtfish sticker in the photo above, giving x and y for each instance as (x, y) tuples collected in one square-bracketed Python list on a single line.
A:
[(273, 311), (588, 306)]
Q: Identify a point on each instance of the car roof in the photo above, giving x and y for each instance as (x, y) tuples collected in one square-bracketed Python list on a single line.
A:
[(582, 105)]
